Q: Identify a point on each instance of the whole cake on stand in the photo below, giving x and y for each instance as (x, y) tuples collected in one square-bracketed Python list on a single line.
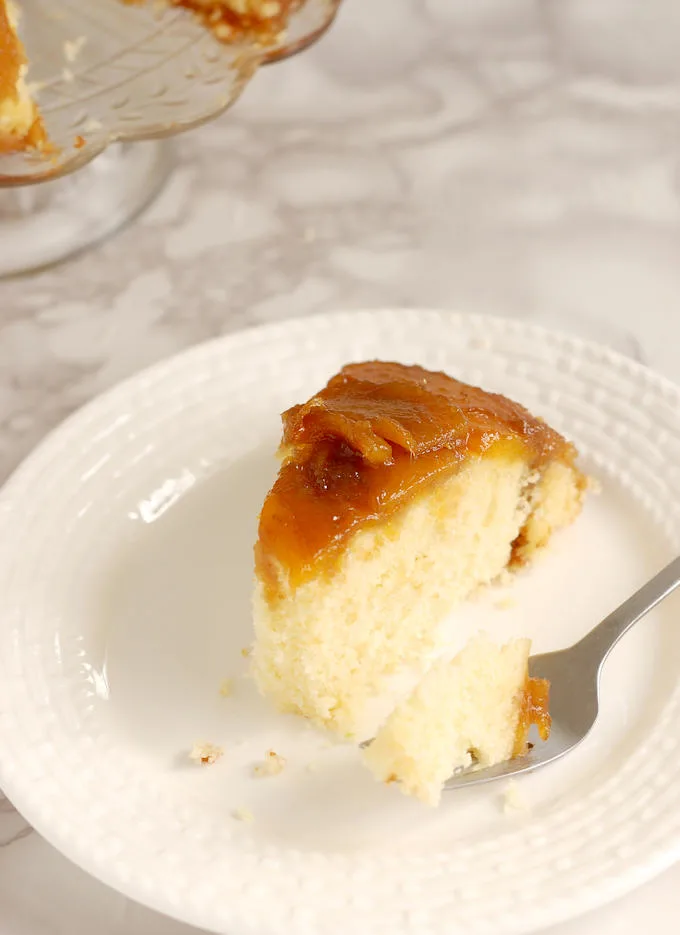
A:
[(93, 91)]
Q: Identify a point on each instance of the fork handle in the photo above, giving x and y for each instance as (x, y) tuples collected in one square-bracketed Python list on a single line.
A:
[(602, 639)]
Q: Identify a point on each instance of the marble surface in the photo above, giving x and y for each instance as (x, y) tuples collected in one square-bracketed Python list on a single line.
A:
[(517, 158)]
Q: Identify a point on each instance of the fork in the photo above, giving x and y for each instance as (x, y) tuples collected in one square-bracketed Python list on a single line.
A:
[(574, 676)]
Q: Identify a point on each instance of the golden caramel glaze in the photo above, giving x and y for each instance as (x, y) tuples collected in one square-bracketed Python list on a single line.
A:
[(231, 20), (11, 55), (370, 441), (35, 138), (534, 710)]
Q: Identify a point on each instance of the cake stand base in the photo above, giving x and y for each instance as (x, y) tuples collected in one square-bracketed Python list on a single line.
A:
[(45, 223)]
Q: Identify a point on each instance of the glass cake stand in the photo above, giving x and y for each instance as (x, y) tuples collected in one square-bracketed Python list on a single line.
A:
[(114, 82)]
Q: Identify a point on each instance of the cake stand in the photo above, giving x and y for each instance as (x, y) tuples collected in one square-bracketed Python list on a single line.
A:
[(114, 81)]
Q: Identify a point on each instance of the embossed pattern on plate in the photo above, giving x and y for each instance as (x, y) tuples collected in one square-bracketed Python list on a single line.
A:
[(75, 778)]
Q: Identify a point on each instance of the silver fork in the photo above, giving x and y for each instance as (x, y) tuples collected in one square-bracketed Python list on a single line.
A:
[(574, 676)]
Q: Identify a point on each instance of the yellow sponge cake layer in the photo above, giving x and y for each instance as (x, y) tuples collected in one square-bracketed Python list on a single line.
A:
[(331, 648)]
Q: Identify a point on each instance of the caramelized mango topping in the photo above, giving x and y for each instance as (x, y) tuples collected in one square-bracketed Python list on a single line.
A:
[(373, 439)]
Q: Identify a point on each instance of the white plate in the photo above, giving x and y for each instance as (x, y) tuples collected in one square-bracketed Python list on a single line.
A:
[(125, 571)]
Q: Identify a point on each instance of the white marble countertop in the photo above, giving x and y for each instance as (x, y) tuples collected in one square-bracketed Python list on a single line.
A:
[(518, 158)]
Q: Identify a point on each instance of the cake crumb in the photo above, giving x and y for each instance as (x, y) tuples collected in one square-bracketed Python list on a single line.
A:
[(505, 578), (73, 48), (205, 753), (246, 651), (514, 799), (243, 814), (505, 603), (67, 75), (227, 688), (593, 485), (272, 765)]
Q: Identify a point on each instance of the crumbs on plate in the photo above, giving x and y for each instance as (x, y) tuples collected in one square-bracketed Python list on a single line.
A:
[(514, 799), (243, 814), (205, 753), (594, 485), (272, 765), (505, 603), (227, 688), (73, 47)]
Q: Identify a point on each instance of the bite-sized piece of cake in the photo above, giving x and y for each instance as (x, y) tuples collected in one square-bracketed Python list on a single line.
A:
[(20, 123), (401, 492), (471, 709)]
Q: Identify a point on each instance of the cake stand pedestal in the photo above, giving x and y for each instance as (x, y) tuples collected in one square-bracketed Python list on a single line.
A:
[(114, 80), (44, 224)]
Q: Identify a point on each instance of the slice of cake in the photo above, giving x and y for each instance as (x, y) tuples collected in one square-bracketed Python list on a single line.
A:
[(476, 708), (20, 124), (401, 492)]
